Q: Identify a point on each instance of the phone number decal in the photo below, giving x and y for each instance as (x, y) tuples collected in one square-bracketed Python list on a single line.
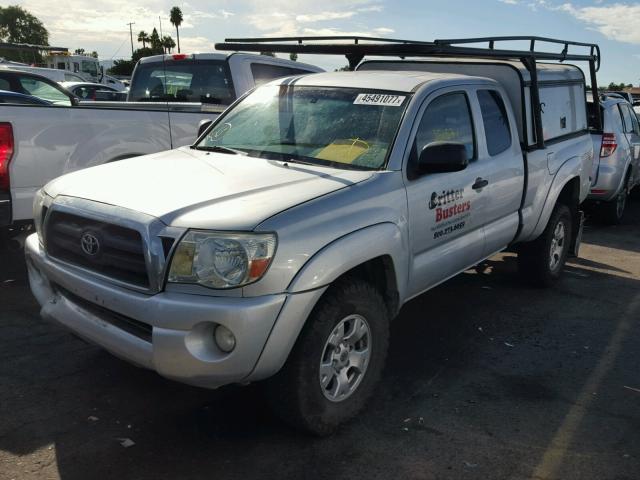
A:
[(450, 229)]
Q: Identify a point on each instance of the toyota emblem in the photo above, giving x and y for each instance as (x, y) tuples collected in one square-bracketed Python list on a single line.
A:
[(90, 244)]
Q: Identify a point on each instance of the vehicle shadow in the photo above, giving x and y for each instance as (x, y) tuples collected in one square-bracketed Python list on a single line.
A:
[(483, 373)]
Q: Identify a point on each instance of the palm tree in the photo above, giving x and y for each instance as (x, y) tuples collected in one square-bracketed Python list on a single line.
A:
[(168, 43), (143, 37), (175, 16)]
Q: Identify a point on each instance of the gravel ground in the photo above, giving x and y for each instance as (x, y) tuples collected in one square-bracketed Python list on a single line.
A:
[(486, 379)]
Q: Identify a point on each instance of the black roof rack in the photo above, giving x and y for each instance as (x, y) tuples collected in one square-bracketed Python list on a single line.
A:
[(355, 48)]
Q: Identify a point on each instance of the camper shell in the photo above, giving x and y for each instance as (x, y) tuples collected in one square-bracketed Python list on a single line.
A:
[(561, 90)]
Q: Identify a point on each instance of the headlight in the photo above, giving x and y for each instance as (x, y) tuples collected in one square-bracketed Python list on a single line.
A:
[(221, 260), (38, 203)]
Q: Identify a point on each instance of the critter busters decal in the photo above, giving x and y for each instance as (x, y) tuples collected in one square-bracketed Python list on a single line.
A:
[(451, 211)]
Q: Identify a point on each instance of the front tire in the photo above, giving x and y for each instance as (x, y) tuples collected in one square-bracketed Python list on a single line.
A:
[(541, 261), (337, 360)]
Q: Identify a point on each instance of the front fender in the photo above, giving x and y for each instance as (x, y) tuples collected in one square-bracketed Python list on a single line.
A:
[(352, 250), (313, 279)]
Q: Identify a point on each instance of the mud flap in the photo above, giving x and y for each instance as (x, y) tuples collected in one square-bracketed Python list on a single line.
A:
[(574, 250)]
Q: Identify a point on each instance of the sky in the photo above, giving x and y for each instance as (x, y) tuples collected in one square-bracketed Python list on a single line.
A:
[(102, 25)]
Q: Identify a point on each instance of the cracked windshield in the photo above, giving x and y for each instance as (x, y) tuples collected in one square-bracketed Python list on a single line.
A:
[(340, 127)]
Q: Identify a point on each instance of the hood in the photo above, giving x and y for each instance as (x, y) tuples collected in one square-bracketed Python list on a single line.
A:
[(196, 189)]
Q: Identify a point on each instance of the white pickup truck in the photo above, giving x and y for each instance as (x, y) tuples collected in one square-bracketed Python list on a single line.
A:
[(283, 242), (169, 96)]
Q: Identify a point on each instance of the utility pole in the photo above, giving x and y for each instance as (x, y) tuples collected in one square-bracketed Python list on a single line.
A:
[(131, 33)]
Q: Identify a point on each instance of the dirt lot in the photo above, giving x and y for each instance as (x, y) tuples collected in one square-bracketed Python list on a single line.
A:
[(486, 379)]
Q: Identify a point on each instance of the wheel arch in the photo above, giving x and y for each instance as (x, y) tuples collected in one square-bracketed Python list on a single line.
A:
[(377, 254)]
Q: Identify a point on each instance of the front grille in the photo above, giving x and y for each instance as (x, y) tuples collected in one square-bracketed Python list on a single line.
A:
[(137, 328), (111, 250)]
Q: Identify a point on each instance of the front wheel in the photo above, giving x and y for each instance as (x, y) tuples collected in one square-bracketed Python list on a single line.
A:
[(337, 360), (541, 261)]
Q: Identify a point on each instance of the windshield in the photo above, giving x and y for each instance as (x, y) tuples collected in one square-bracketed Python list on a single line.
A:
[(342, 127), (90, 67), (205, 81)]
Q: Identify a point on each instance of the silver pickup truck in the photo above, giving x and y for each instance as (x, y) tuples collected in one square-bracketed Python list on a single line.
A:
[(283, 242)]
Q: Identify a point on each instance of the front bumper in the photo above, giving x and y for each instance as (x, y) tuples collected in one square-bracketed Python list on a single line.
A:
[(171, 333)]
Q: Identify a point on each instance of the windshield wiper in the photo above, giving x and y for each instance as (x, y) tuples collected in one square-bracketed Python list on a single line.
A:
[(218, 149)]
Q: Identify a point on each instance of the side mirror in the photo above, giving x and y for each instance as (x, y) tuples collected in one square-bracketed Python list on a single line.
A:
[(203, 125), (440, 157), (75, 101)]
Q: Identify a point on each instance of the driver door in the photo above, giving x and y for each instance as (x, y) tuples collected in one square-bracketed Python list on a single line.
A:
[(445, 209)]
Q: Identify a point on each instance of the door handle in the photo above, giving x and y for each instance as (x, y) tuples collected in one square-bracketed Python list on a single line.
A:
[(480, 183)]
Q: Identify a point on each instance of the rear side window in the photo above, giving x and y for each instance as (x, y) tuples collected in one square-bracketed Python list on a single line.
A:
[(496, 121), (626, 116), (447, 119), (263, 73)]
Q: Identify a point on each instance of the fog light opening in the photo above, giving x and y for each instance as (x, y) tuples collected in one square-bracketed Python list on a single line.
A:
[(225, 340)]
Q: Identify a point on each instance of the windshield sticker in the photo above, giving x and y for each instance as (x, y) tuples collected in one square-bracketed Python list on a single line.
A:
[(379, 99)]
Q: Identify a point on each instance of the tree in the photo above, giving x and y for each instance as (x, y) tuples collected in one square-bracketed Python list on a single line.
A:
[(140, 53), (143, 37), (79, 51), (168, 43), (156, 42), (175, 16), (19, 26), (94, 54), (293, 56), (122, 67)]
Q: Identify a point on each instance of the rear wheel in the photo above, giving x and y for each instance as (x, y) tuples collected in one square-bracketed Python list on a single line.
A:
[(337, 360), (613, 211), (541, 261)]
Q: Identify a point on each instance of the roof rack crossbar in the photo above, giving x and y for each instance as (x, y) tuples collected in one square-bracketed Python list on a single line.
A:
[(360, 45)]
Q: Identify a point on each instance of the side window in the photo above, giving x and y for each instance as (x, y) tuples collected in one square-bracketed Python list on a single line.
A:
[(632, 125), (76, 67), (447, 119), (40, 89), (4, 84), (616, 118), (496, 121), (263, 73), (626, 116)]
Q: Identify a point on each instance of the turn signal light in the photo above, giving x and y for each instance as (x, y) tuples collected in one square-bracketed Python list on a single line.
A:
[(6, 154), (609, 144)]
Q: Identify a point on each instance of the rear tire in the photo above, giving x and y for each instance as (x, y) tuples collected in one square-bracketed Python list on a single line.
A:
[(332, 370), (613, 211), (542, 260)]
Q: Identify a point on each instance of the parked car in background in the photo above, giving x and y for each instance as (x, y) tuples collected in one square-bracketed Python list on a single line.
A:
[(26, 83), (95, 91), (625, 95), (50, 73), (173, 94), (21, 99), (617, 162), (113, 82)]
